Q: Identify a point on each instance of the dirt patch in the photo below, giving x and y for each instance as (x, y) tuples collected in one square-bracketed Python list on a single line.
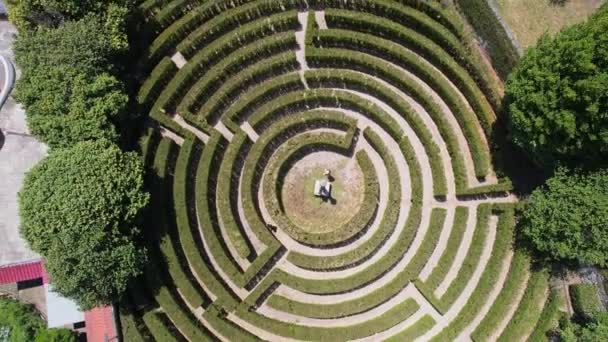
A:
[(311, 213)]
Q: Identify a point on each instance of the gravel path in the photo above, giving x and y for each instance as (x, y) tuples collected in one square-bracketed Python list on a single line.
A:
[(471, 285), (408, 292), (498, 285), (512, 308), (463, 249), (180, 121)]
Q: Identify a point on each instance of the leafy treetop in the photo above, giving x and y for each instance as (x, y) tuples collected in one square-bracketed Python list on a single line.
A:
[(557, 97), (66, 87), (20, 322), (80, 208), (567, 218)]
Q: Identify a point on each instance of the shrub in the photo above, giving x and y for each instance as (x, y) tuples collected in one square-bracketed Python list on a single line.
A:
[(557, 96), (585, 300), (565, 218), (80, 208)]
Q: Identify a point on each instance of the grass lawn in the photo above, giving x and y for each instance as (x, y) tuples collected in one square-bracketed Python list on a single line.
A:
[(529, 19), (314, 215)]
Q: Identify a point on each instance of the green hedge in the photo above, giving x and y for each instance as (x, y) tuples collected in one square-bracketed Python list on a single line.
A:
[(415, 330), (385, 229), (158, 79), (276, 170), (378, 297), (585, 301), (380, 323), (157, 327), (229, 176), (503, 53), (190, 248), (199, 64), (257, 96), (367, 64), (387, 262), (181, 319), (548, 319), (216, 74), (176, 21), (449, 253), (424, 36), (160, 201), (259, 19), (357, 81), (396, 53), (529, 309), (470, 263), (129, 328), (520, 267), (212, 107), (205, 193), (487, 282)]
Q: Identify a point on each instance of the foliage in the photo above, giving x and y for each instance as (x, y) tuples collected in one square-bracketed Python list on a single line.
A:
[(595, 330), (27, 14), (65, 87), (566, 218), (82, 45), (21, 321), (56, 335), (557, 97), (79, 208), (65, 108), (585, 301)]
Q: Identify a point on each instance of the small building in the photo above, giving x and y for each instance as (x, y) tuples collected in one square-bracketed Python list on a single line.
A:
[(322, 188), (21, 280)]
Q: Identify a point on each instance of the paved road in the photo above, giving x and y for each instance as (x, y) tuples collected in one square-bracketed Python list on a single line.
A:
[(18, 153)]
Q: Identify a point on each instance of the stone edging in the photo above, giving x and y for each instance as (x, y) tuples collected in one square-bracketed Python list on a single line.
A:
[(9, 80)]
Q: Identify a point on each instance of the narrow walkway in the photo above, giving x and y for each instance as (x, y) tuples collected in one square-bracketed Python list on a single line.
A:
[(471, 285), (301, 51), (180, 121)]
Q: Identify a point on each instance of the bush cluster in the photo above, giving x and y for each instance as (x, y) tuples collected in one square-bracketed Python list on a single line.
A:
[(80, 206)]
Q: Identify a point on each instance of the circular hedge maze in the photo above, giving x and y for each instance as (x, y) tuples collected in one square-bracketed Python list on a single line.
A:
[(249, 101)]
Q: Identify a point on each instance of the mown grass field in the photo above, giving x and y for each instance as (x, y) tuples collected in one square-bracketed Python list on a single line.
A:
[(530, 19)]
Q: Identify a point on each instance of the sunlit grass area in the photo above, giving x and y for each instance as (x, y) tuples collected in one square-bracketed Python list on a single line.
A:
[(529, 19)]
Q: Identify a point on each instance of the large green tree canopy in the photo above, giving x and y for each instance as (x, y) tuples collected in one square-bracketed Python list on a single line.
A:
[(66, 85), (557, 97), (27, 14), (80, 208), (568, 218)]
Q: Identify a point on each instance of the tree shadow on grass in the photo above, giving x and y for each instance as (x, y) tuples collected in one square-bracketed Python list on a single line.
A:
[(511, 161)]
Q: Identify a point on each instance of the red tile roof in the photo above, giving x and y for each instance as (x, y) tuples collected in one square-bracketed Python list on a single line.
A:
[(21, 272), (100, 324)]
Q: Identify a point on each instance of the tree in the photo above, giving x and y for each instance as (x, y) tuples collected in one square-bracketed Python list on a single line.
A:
[(56, 335), (21, 322), (27, 14), (557, 97), (18, 322), (567, 218), (64, 108), (80, 208), (65, 87), (594, 330)]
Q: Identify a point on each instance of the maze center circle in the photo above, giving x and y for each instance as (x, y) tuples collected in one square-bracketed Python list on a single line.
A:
[(314, 214)]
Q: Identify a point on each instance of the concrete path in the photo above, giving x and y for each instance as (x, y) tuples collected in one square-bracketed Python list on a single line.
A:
[(19, 152)]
